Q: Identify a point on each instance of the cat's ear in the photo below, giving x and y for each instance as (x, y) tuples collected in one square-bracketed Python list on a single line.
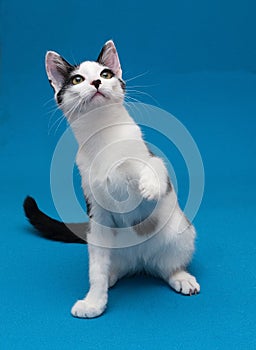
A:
[(109, 57), (58, 69)]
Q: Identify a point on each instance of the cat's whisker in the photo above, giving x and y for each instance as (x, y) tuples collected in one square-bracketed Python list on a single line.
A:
[(132, 98), (137, 76), (142, 104), (144, 93), (54, 109), (80, 109), (53, 113), (73, 110), (56, 122), (141, 86), (58, 126), (49, 101), (133, 102), (50, 127), (132, 106), (70, 113)]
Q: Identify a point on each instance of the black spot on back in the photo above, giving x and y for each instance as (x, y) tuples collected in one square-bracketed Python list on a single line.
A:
[(89, 207), (148, 226), (169, 186)]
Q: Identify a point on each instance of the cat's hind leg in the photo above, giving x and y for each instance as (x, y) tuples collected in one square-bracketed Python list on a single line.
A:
[(171, 261), (180, 280)]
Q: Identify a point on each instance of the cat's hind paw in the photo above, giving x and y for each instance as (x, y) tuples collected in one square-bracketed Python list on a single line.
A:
[(83, 309), (184, 283)]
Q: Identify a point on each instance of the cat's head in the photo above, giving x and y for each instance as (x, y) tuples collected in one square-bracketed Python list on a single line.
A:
[(92, 84)]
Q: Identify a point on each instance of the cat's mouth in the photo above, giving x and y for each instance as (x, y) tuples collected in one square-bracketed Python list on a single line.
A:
[(97, 94)]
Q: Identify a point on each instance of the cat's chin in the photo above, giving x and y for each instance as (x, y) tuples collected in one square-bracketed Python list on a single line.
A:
[(99, 100), (98, 95)]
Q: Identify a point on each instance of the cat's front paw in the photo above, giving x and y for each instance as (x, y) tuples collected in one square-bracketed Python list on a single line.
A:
[(149, 184), (83, 309)]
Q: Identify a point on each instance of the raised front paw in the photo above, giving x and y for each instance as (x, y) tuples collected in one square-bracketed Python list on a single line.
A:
[(149, 184), (153, 182), (184, 283), (83, 309)]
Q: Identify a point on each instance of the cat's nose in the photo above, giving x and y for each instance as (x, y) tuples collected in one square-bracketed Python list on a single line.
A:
[(96, 83)]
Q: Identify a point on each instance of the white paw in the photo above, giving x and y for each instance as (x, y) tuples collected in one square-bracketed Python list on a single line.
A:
[(83, 309), (183, 282), (149, 185)]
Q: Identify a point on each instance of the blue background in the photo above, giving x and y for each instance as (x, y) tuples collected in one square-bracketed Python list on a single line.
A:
[(200, 64)]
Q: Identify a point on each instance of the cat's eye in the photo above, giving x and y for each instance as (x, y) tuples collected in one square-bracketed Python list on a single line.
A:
[(107, 74), (77, 79)]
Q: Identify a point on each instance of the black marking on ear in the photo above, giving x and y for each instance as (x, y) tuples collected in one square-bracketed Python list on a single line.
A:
[(64, 67), (100, 57)]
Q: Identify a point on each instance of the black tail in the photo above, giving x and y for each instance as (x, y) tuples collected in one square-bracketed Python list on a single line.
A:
[(53, 229)]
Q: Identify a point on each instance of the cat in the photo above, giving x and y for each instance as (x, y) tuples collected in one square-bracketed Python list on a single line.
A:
[(135, 223)]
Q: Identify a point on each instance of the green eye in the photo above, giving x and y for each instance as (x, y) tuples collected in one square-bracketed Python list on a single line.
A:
[(77, 79), (107, 74)]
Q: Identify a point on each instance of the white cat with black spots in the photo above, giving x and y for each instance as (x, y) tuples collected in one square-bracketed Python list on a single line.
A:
[(128, 188)]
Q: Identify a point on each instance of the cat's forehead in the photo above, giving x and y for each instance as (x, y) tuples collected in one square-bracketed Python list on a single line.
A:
[(90, 68)]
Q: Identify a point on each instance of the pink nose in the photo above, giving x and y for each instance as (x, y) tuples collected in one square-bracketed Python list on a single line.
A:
[(96, 83)]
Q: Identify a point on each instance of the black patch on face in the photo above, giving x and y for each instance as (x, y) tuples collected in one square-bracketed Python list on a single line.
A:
[(60, 94), (66, 70), (123, 85)]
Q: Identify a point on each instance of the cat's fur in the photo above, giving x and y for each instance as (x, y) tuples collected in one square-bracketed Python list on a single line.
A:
[(127, 188)]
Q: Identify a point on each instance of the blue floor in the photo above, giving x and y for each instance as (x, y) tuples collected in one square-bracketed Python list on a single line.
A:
[(40, 280)]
